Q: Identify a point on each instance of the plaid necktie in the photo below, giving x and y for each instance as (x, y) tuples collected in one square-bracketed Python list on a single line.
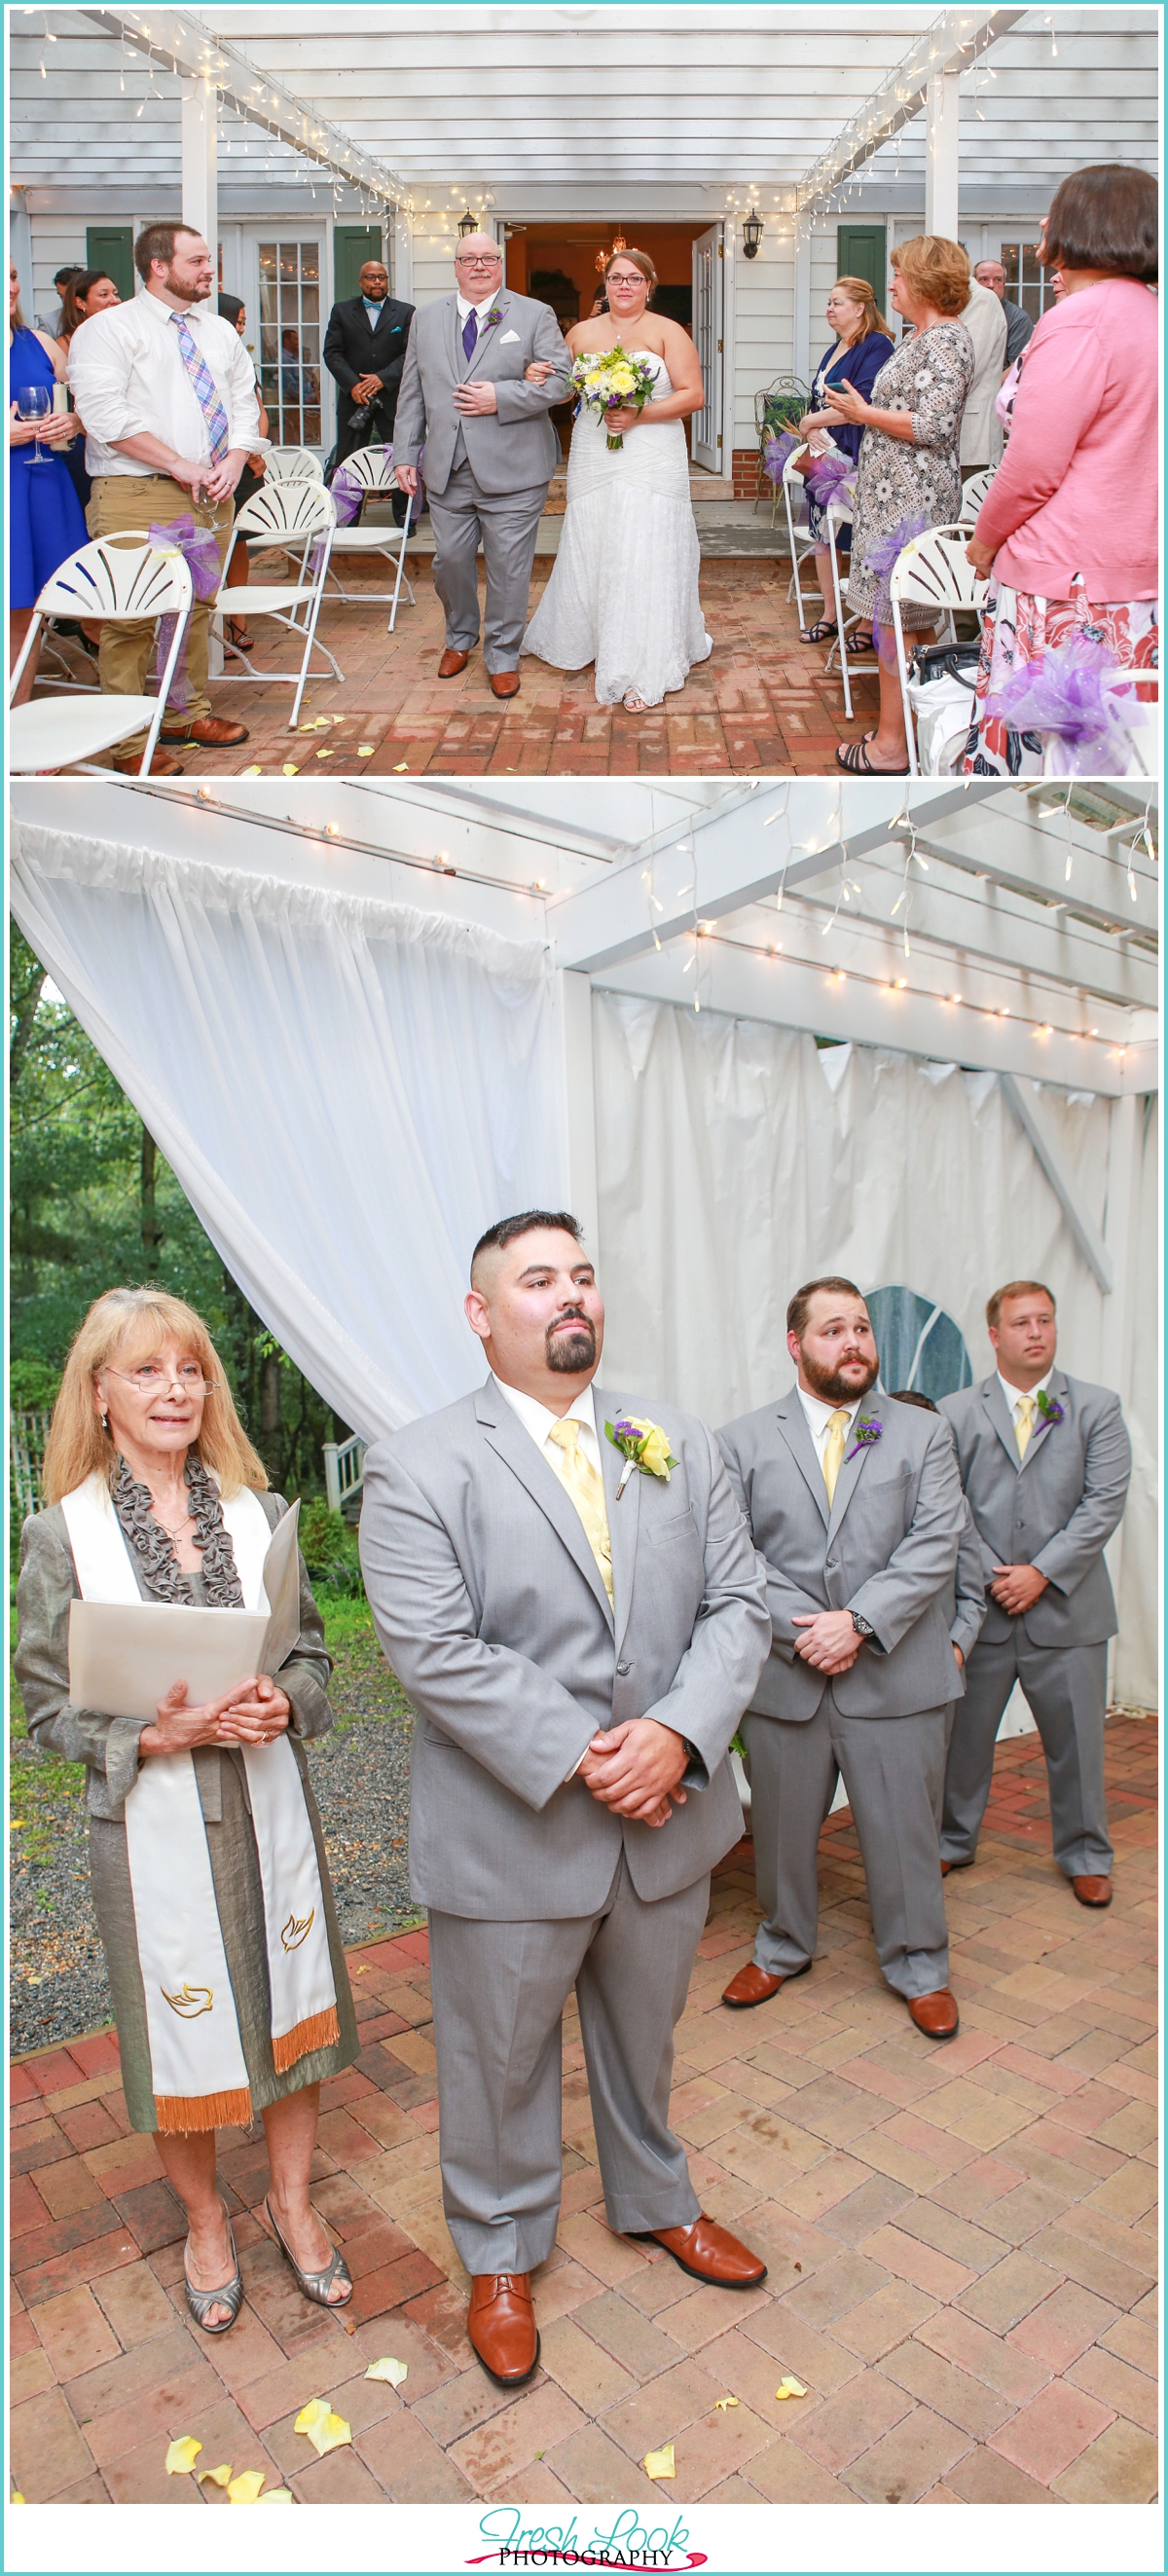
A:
[(470, 332), (206, 389)]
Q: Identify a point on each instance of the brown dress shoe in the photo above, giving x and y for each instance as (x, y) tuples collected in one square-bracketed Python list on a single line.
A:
[(935, 2014), (163, 764), (709, 2253), (505, 684), (755, 1985), (452, 663), (501, 2326), (215, 733), (947, 1865), (1092, 1891)]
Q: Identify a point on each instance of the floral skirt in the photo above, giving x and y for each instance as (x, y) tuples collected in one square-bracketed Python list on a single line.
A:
[(1019, 626)]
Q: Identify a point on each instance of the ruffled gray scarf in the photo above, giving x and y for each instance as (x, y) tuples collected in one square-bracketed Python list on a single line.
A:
[(154, 1550)]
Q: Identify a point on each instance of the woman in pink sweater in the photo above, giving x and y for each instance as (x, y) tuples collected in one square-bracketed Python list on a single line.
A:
[(1067, 530)]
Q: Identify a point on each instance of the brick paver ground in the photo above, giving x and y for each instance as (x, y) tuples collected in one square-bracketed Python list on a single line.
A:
[(961, 2239), (760, 703)]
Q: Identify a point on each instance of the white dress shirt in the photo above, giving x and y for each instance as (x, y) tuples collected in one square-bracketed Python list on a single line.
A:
[(128, 380), (1015, 1394), (482, 307), (537, 1420), (373, 310), (819, 1415)]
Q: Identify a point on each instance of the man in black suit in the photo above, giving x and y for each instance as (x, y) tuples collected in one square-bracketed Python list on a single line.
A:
[(364, 350)]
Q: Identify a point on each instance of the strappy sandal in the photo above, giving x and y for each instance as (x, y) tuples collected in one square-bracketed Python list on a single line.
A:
[(819, 634), (853, 756), (633, 705), (238, 635), (862, 643), (315, 2285), (200, 2302)]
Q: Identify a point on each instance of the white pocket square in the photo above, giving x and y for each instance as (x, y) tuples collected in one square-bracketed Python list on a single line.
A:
[(507, 335)]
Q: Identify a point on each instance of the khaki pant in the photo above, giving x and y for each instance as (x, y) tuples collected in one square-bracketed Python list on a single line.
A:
[(138, 501)]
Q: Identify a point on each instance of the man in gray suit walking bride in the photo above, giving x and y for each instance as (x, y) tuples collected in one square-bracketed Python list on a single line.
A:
[(490, 449), (579, 1628)]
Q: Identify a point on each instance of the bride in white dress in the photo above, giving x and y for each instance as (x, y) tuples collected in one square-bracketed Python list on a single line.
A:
[(624, 587)]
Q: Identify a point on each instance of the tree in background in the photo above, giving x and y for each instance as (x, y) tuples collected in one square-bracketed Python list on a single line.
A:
[(94, 1204)]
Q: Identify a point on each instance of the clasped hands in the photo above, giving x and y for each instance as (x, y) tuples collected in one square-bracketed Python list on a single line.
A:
[(634, 1768), (831, 1642), (254, 1711), (1017, 1587)]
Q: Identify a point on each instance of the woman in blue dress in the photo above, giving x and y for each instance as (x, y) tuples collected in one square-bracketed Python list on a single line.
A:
[(862, 343), (45, 520)]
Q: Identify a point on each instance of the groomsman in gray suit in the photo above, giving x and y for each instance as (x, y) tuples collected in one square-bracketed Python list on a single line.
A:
[(1045, 1462), (579, 1637), (857, 1509), (490, 446)]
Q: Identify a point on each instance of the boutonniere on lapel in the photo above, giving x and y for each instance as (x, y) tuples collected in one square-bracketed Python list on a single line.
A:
[(1051, 1412), (641, 1444), (867, 1432), (495, 315)]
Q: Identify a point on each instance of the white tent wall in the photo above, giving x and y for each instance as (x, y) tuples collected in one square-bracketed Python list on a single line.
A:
[(735, 1159)]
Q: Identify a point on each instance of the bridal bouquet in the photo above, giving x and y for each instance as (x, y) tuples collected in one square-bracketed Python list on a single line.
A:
[(607, 380)]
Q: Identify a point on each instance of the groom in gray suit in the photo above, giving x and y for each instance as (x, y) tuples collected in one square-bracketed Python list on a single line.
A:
[(579, 1637), (490, 449), (1045, 1461), (857, 1509)]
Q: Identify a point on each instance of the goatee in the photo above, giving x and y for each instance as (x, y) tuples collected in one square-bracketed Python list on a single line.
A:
[(833, 1388), (569, 1352)]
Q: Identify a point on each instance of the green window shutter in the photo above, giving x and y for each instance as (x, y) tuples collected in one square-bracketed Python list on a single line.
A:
[(862, 251), (111, 246), (353, 244)]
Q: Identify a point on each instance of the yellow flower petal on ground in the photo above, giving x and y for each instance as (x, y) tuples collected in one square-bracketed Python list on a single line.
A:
[(659, 2464), (398, 767), (324, 755), (182, 2455), (316, 2412), (330, 2436), (245, 2489), (322, 723), (291, 769), (394, 2371), (220, 2477), (365, 750), (721, 2404), (309, 725), (790, 2388), (254, 772), (277, 2495), (17, 2498)]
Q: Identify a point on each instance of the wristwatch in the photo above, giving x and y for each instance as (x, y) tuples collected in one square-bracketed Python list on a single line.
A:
[(863, 1627)]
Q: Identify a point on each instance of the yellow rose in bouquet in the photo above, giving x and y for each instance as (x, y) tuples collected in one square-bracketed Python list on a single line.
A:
[(642, 1444)]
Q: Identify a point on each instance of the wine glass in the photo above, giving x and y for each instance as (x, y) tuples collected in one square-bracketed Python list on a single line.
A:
[(35, 402)]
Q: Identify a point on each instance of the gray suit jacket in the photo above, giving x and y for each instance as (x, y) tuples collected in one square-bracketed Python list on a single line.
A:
[(1055, 1508), (490, 1607), (887, 1548), (511, 450), (965, 1599)]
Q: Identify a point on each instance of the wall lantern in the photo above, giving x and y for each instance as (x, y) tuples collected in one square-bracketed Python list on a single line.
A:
[(467, 223), (751, 235)]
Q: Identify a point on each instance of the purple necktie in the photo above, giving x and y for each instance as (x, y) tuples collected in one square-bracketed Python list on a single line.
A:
[(470, 332)]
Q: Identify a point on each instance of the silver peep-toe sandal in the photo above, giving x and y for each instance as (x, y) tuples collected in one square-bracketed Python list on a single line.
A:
[(200, 2302), (315, 2285)]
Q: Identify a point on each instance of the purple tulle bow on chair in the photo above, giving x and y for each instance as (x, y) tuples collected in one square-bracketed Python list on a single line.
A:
[(881, 562), (1078, 693), (831, 478), (201, 554), (776, 454)]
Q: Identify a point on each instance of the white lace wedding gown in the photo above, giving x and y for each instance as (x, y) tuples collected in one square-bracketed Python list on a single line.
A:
[(624, 587)]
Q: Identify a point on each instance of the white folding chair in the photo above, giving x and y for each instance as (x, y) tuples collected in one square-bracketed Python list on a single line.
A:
[(932, 572), (111, 578), (973, 494), (293, 465), (794, 482), (372, 471), (839, 515), (294, 515)]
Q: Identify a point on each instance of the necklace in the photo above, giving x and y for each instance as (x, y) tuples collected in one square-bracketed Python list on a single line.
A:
[(172, 1528)]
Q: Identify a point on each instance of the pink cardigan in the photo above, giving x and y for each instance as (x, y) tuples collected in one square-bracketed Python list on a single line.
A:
[(1076, 491)]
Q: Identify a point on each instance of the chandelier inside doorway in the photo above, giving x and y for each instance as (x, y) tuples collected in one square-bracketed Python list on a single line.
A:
[(603, 256)]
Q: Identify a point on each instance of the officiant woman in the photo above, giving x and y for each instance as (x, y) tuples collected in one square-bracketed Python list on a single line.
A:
[(210, 1881)]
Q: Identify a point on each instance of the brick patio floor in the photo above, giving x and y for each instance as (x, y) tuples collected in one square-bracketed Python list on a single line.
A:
[(961, 2239), (760, 704)]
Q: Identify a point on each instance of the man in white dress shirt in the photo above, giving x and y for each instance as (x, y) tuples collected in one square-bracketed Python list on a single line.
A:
[(856, 1507), (167, 392)]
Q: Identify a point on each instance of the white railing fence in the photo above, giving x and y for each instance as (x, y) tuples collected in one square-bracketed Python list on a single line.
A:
[(344, 1470), (29, 1433)]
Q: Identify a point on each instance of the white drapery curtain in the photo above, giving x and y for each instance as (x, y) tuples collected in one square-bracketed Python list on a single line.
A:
[(736, 1159), (348, 1091)]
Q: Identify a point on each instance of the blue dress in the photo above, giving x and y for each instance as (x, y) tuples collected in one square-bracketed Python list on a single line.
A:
[(861, 364), (45, 519)]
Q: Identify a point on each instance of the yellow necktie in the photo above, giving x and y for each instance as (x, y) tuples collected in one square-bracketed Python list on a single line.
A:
[(1027, 1407), (833, 1451), (580, 1479)]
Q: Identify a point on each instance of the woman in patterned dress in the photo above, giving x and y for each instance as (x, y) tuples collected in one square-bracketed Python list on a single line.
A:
[(909, 475)]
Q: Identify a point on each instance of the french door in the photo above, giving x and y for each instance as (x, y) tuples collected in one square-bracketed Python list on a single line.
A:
[(707, 331), (290, 315)]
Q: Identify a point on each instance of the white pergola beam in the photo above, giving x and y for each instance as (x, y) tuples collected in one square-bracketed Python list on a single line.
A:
[(951, 44), (200, 163), (1014, 850), (739, 854), (991, 927), (1027, 1108), (942, 153), (181, 44)]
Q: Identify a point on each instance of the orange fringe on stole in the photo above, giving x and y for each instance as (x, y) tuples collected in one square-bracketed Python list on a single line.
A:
[(319, 2030), (179, 2111)]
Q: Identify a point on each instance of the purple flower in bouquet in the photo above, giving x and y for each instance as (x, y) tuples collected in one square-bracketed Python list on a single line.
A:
[(1049, 1407), (1072, 690), (777, 453), (869, 1429)]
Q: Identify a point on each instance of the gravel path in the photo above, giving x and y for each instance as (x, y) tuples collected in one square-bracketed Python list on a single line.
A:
[(360, 1774)]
